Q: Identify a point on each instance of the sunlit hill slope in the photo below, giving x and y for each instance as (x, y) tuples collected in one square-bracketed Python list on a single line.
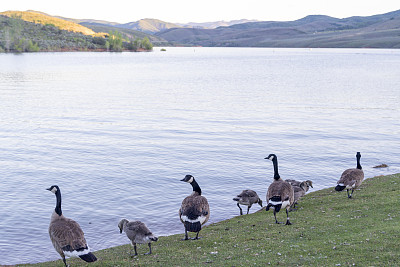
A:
[(40, 18)]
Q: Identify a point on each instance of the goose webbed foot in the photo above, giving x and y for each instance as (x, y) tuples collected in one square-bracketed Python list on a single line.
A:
[(134, 247), (276, 221), (148, 253), (197, 236), (288, 222), (351, 194), (186, 236)]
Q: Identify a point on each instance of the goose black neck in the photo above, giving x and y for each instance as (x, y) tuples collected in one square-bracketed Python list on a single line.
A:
[(58, 204), (276, 173), (358, 162), (196, 187)]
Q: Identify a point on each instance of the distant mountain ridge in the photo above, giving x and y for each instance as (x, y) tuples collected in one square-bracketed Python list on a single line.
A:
[(214, 24), (149, 25), (381, 31)]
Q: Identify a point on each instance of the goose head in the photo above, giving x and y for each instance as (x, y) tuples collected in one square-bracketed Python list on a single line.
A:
[(271, 157), (53, 189), (188, 179), (121, 225)]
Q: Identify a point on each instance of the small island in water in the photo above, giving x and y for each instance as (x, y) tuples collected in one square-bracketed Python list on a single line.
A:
[(29, 31)]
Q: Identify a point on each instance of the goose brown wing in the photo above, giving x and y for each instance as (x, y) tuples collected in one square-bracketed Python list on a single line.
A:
[(288, 192), (195, 206), (67, 235), (282, 189), (249, 194), (350, 176), (138, 226)]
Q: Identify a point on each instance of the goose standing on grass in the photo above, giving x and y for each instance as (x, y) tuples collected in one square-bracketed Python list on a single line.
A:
[(248, 198), (195, 210), (351, 178), (280, 194), (66, 234), (297, 183), (299, 192), (137, 232)]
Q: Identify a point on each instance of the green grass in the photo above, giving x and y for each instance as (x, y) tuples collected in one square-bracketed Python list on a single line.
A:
[(328, 229)]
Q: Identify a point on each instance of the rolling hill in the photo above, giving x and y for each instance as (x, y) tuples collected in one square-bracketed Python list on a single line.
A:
[(214, 24), (129, 33), (381, 31), (90, 27), (378, 31), (44, 19), (149, 25)]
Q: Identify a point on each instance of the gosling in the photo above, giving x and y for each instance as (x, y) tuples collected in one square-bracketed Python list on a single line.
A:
[(137, 232)]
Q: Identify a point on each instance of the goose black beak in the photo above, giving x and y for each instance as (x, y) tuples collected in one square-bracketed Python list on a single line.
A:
[(48, 189)]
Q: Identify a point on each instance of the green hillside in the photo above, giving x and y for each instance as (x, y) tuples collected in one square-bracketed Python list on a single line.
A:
[(100, 27), (18, 35), (41, 18)]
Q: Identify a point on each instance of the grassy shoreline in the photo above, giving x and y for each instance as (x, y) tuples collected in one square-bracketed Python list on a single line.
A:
[(328, 230)]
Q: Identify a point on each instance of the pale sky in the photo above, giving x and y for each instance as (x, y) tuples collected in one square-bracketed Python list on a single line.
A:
[(183, 11)]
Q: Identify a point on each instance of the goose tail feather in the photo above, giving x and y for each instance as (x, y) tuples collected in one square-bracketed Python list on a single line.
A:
[(193, 227), (90, 257)]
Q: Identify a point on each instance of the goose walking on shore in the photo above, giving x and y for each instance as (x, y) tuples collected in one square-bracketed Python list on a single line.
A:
[(137, 232), (66, 234), (280, 194), (297, 183), (299, 192), (351, 178), (194, 211), (247, 198)]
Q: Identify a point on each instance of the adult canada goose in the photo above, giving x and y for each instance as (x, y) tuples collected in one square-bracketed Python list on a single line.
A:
[(351, 178), (297, 183), (248, 198), (66, 234), (280, 194), (137, 232), (194, 211)]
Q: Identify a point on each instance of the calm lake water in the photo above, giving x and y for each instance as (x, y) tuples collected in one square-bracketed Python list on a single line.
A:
[(117, 131)]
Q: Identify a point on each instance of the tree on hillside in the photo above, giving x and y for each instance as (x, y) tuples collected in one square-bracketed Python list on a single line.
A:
[(115, 41), (146, 44)]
